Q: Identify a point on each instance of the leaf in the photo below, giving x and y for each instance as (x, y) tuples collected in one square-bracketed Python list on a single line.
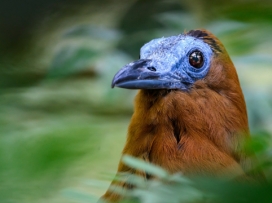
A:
[(78, 195), (132, 179), (70, 60), (93, 31), (142, 165)]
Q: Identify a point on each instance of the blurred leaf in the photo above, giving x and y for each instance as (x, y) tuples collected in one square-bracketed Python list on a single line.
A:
[(93, 31), (238, 37), (176, 22), (96, 183), (249, 11), (71, 60), (78, 196), (142, 165), (258, 144), (139, 29)]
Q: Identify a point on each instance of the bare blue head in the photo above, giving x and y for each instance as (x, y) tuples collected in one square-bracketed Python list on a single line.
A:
[(167, 63)]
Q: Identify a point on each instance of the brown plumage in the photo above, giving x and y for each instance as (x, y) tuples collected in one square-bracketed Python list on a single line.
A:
[(197, 130)]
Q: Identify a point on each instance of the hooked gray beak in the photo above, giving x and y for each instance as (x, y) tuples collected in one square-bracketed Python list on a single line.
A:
[(141, 74)]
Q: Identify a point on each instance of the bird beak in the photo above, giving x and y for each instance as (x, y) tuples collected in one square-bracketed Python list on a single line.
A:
[(141, 74)]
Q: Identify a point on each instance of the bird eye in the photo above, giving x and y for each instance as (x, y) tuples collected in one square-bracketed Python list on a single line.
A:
[(196, 59)]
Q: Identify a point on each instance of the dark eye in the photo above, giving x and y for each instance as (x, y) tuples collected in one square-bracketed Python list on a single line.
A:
[(196, 59)]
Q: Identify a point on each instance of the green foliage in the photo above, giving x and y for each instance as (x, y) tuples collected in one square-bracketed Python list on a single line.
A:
[(147, 167), (66, 62), (177, 188)]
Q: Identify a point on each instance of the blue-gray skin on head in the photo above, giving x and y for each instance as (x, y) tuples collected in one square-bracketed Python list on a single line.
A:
[(164, 64)]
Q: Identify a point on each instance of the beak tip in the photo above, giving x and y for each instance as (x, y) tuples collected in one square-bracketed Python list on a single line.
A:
[(113, 83)]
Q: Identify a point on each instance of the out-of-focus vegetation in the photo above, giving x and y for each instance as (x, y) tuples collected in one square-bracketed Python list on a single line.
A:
[(63, 127), (176, 188)]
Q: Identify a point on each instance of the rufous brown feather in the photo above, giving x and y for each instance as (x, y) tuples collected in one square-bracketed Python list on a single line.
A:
[(197, 128)]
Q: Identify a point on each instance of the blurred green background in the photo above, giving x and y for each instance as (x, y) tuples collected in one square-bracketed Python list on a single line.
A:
[(62, 127)]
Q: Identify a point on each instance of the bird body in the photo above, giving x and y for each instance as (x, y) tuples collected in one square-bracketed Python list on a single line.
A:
[(190, 114)]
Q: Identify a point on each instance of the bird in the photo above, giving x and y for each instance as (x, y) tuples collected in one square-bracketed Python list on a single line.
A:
[(189, 113)]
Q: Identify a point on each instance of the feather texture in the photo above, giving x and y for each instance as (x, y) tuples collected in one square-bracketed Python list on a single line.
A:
[(195, 131)]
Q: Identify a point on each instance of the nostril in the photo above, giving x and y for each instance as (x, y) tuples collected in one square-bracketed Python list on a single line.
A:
[(151, 68)]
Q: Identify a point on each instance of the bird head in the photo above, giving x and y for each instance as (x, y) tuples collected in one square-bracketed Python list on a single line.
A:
[(178, 62)]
